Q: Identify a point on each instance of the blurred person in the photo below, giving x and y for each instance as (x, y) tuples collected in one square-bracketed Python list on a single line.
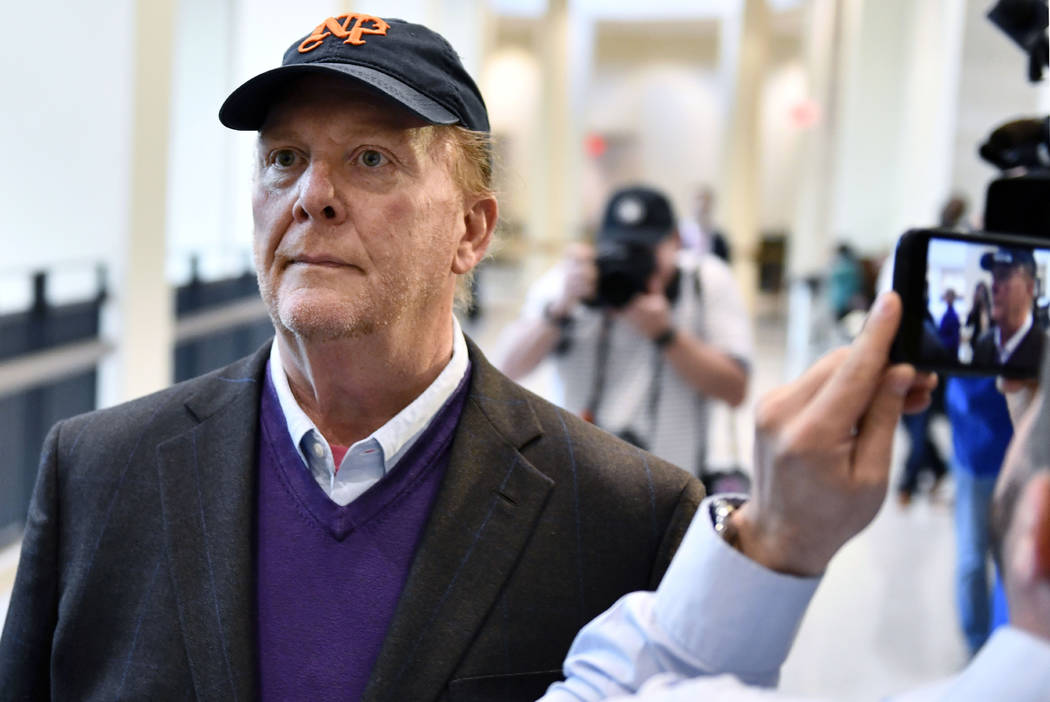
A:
[(948, 328), (845, 282), (978, 320), (981, 430), (700, 233), (722, 622), (641, 337), (953, 214), (924, 456), (365, 508), (1014, 337)]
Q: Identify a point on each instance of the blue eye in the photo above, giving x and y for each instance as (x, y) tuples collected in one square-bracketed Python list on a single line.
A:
[(372, 158)]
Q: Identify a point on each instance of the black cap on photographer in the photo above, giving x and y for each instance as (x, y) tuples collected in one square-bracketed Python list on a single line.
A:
[(638, 215)]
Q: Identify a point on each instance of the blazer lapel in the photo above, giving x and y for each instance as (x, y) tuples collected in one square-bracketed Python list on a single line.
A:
[(482, 518), (207, 480)]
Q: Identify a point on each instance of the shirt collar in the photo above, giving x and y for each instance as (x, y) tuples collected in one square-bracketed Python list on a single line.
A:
[(397, 435), (1005, 350)]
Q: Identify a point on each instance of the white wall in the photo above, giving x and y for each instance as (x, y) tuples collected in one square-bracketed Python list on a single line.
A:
[(672, 111), (782, 134), (66, 80)]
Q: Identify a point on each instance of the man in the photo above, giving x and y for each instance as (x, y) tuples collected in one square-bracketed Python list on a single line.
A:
[(732, 603), (364, 509), (1013, 338), (701, 233), (981, 429), (641, 337), (948, 329)]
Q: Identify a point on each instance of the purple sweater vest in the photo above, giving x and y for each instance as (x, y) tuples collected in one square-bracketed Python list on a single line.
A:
[(329, 577)]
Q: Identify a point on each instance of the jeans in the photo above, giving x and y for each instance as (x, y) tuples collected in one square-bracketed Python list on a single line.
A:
[(922, 452), (973, 496)]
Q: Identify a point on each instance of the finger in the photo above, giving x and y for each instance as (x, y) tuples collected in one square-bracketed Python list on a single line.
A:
[(845, 397), (580, 251), (875, 431), (1010, 385), (917, 400), (787, 400)]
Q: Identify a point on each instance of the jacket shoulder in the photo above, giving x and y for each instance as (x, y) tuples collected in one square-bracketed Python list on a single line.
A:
[(160, 408)]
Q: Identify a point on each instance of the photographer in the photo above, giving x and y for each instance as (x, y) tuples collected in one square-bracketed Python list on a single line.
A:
[(641, 333)]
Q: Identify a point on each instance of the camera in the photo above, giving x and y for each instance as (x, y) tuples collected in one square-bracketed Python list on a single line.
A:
[(624, 269), (1008, 264), (636, 220)]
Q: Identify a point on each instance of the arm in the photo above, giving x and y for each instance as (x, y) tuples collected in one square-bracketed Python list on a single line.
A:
[(702, 620), (718, 371), (707, 369), (822, 452), (548, 310), (25, 647), (528, 342)]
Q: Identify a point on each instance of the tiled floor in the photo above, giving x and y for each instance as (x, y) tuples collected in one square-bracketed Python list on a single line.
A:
[(883, 618)]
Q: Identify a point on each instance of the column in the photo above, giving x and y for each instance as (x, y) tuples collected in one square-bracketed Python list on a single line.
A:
[(140, 318), (743, 48), (811, 230), (561, 38)]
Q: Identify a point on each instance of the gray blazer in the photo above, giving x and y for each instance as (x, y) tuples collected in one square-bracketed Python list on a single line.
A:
[(136, 579)]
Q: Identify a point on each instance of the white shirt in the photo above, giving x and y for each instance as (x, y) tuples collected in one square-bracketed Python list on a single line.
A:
[(1007, 349), (369, 459), (719, 624), (714, 612)]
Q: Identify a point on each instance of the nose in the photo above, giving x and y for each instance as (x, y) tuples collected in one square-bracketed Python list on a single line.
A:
[(319, 198)]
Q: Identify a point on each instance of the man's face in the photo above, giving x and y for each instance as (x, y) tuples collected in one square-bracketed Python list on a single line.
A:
[(1012, 291), (356, 213)]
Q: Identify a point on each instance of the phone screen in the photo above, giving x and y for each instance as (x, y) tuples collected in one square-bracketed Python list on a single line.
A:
[(978, 306)]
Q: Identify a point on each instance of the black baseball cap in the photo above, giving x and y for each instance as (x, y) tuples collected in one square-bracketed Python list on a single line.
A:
[(637, 214), (1008, 257), (407, 62)]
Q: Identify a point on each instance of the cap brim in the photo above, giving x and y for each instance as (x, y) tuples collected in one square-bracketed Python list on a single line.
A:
[(247, 106)]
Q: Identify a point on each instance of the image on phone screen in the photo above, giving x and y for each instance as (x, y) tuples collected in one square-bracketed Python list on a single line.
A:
[(977, 306)]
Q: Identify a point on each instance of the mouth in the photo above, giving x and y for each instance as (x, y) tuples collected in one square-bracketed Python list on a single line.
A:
[(318, 261)]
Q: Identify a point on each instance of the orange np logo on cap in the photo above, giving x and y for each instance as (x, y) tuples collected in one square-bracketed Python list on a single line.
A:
[(349, 26)]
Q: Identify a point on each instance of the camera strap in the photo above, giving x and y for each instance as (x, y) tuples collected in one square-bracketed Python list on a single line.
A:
[(601, 363), (693, 301), (601, 360)]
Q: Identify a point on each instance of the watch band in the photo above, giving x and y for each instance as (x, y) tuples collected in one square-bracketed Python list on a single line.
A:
[(560, 321), (722, 506)]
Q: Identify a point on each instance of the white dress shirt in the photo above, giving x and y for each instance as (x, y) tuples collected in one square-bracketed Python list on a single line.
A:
[(1007, 349), (714, 612), (719, 624), (369, 459)]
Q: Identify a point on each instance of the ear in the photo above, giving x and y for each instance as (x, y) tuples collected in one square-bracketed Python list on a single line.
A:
[(480, 222)]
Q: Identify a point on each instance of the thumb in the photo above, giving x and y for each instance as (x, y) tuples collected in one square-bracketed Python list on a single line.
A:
[(874, 447)]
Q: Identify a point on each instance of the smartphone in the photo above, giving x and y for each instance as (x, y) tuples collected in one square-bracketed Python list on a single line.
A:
[(973, 303)]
